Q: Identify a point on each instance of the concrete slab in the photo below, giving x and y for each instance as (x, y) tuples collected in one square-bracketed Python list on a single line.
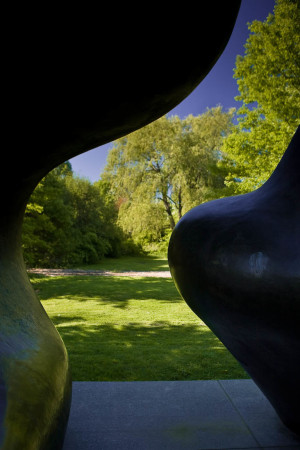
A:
[(258, 414), (173, 415)]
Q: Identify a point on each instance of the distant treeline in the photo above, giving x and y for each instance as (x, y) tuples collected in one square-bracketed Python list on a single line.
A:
[(68, 222)]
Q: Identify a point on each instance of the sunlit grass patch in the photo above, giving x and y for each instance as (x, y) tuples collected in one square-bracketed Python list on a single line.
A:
[(132, 329)]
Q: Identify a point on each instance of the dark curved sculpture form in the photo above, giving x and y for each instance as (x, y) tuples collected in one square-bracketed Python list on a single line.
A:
[(236, 262), (73, 80)]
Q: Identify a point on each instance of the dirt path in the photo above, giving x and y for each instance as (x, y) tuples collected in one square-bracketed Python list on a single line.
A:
[(105, 273)]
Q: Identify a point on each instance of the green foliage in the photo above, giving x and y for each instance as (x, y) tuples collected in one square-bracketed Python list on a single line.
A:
[(47, 223), (268, 77), (159, 172), (69, 221)]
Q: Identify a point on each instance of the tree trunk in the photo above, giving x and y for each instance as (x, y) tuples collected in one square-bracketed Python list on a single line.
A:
[(179, 204), (168, 211)]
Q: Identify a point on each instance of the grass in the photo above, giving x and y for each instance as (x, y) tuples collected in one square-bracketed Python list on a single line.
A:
[(132, 329), (131, 263)]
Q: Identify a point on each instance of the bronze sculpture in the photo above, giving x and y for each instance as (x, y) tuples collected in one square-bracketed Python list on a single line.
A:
[(236, 262), (75, 79)]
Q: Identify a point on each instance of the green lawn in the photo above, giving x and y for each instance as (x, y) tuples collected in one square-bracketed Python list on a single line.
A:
[(127, 263), (118, 329)]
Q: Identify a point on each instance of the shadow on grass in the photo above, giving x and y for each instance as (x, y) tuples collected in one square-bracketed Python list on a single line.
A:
[(62, 319), (136, 263), (131, 350), (118, 291), (138, 352)]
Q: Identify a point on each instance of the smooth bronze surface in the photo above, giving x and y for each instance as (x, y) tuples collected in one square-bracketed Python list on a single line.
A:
[(236, 262), (74, 79)]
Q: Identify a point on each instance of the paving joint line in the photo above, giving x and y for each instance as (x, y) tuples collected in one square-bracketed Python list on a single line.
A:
[(240, 415)]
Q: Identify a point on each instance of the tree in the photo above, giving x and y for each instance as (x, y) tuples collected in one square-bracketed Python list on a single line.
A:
[(90, 244), (68, 222), (48, 221), (268, 77), (160, 171), (201, 174)]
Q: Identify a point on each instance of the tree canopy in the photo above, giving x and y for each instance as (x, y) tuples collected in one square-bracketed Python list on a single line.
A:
[(159, 172), (268, 77), (69, 221)]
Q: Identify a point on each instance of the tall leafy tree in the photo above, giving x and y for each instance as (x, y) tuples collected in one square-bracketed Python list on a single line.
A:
[(159, 172), (47, 224), (268, 77), (68, 221), (90, 242)]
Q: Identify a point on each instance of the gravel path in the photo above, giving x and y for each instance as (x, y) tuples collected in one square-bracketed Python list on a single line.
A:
[(105, 273)]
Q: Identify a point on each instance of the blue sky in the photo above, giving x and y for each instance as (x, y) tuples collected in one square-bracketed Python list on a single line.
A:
[(218, 87)]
